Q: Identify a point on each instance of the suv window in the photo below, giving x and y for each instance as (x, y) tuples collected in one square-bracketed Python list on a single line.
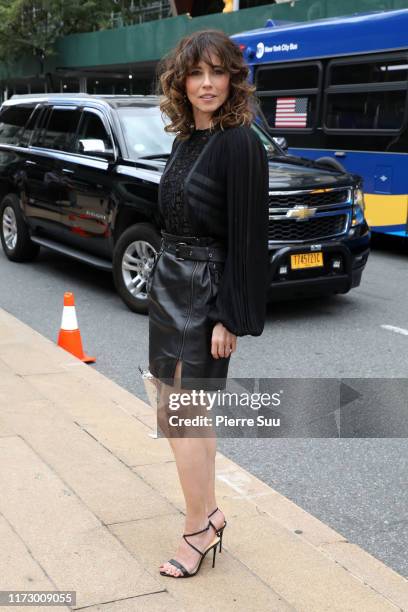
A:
[(29, 128), (12, 122), (61, 129), (92, 128), (40, 127)]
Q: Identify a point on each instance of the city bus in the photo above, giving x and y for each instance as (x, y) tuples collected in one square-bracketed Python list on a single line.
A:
[(336, 90)]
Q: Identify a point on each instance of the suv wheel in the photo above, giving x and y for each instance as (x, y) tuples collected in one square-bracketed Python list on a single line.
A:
[(14, 233), (133, 261)]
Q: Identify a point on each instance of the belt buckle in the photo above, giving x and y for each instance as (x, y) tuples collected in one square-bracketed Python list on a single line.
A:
[(178, 244)]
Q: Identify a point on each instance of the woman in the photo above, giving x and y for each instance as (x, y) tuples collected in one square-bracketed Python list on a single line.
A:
[(209, 282)]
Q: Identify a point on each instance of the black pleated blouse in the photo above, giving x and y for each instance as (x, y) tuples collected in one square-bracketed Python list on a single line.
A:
[(216, 184)]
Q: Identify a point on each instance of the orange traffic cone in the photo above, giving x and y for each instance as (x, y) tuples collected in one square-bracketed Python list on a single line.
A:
[(69, 336)]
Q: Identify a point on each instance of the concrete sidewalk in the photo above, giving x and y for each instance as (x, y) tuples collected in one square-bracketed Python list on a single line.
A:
[(91, 503)]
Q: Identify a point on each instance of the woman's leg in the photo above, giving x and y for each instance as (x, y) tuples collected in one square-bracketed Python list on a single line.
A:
[(218, 517), (194, 469), (211, 449)]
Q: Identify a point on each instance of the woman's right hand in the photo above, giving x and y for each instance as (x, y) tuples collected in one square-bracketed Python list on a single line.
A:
[(223, 342)]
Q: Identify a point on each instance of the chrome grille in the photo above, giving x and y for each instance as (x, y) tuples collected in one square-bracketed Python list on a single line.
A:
[(288, 230), (331, 214), (310, 198)]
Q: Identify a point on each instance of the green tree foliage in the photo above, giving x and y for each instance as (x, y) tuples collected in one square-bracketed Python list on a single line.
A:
[(32, 26)]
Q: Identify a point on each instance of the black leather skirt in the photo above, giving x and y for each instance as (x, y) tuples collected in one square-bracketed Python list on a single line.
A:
[(181, 288)]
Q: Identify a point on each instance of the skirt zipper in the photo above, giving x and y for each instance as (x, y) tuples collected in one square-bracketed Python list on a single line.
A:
[(190, 311)]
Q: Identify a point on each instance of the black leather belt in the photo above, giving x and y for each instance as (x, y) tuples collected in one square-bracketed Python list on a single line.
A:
[(191, 251), (189, 247)]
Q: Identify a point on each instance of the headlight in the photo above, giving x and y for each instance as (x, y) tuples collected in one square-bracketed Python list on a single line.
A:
[(359, 199), (358, 207)]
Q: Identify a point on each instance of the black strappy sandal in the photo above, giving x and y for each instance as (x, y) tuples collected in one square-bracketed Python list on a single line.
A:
[(186, 573), (219, 531)]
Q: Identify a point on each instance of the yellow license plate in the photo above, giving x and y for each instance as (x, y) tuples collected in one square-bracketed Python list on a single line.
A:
[(306, 260)]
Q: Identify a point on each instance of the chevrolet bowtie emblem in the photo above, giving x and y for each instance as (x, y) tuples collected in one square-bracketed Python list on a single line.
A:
[(300, 213)]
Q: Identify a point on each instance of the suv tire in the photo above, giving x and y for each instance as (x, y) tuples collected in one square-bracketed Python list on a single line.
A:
[(14, 233), (133, 260)]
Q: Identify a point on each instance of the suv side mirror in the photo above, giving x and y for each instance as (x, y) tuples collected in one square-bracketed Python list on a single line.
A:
[(281, 142), (96, 147)]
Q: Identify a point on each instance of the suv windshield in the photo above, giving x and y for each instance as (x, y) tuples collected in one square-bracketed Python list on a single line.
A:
[(271, 147), (143, 129)]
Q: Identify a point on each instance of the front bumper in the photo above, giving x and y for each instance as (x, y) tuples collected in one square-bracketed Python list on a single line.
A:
[(353, 256)]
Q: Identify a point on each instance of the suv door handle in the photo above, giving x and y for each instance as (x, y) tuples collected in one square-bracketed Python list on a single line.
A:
[(67, 171), (28, 162)]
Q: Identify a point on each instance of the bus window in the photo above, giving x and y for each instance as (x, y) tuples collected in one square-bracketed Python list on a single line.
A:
[(366, 111), (289, 95), (378, 71), (273, 78), (367, 94), (289, 112)]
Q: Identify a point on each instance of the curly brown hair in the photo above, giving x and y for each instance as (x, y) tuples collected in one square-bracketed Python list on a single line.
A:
[(241, 105)]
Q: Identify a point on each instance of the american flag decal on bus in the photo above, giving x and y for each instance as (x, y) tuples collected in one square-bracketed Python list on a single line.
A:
[(291, 112)]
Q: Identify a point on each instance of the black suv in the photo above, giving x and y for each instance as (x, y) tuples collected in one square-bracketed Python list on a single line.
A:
[(79, 174)]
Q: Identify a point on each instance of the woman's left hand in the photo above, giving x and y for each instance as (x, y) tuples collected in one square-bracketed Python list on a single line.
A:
[(223, 342)]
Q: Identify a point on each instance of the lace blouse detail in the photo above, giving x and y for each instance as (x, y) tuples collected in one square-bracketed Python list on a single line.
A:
[(172, 209)]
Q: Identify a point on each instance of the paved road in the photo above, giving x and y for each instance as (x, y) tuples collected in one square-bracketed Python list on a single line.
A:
[(357, 486)]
